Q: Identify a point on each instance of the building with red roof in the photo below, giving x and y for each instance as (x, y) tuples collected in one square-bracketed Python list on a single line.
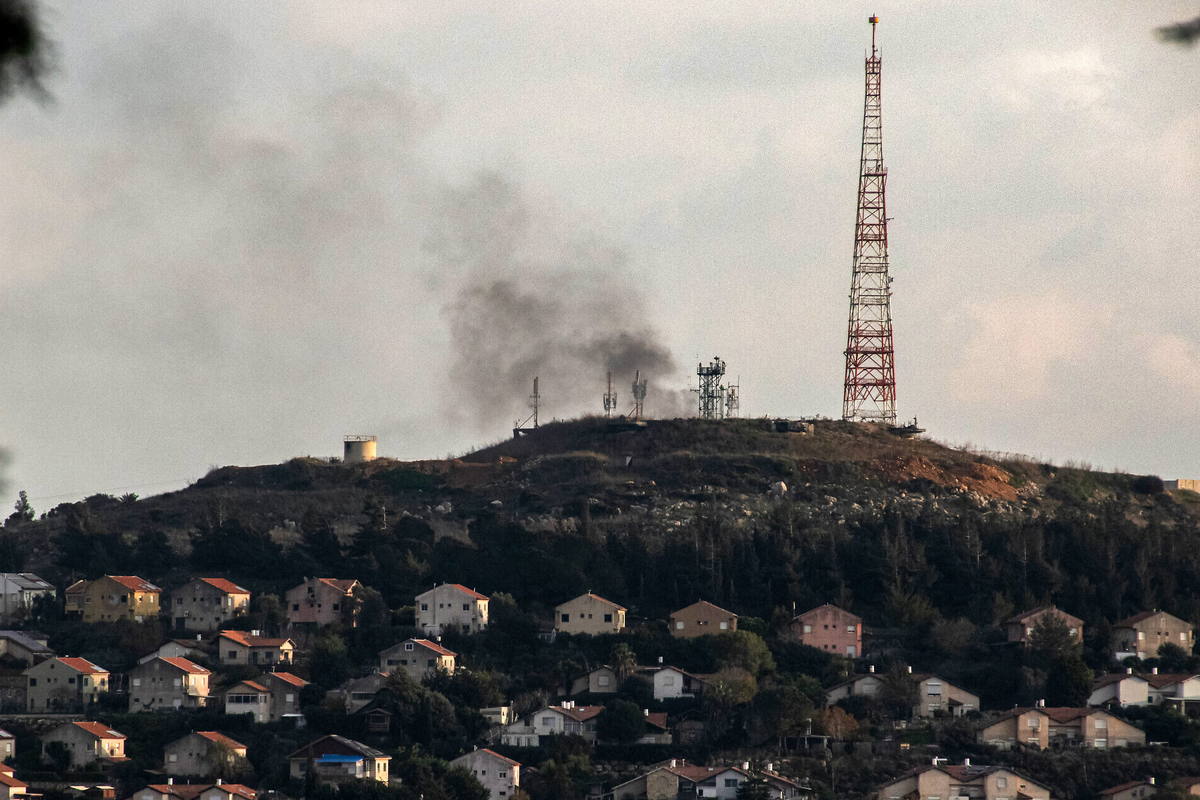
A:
[(451, 605), (204, 604), (1042, 727), (248, 648), (499, 775), (323, 601), (196, 791), (87, 742), (202, 754), (565, 719), (962, 780), (1140, 635), (417, 657), (166, 684), (111, 598), (64, 683)]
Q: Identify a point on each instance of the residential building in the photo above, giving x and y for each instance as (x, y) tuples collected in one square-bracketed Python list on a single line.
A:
[(1046, 727), (702, 619), (21, 646), (358, 692), (859, 686), (168, 684), (591, 614), (557, 720), (1120, 690), (664, 782), (338, 759), (88, 742), (1177, 689), (417, 657), (284, 690), (674, 780), (323, 601), (497, 715), (935, 695), (1133, 790), (203, 604), (451, 605), (499, 775), (716, 782), (242, 648), (11, 787), (1020, 628), (657, 729), (196, 791), (111, 598), (1141, 635), (601, 680), (64, 684), (831, 629), (18, 592), (8, 746), (671, 682), (192, 649), (945, 781), (201, 754), (249, 697), (1185, 785)]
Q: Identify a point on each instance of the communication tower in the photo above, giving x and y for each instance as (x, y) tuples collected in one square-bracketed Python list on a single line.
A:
[(733, 399), (870, 388), (610, 398), (523, 427), (712, 393), (639, 394)]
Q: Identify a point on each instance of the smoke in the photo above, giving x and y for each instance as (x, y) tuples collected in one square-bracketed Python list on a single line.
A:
[(533, 296)]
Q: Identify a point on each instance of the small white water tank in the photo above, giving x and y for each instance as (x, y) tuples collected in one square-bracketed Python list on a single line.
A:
[(359, 449)]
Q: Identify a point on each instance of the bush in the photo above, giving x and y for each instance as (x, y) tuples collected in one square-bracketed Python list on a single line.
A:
[(1147, 484)]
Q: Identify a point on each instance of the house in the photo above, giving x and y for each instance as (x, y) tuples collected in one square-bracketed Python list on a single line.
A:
[(451, 605), (831, 629), (1177, 689), (417, 657), (702, 619), (87, 742), (657, 730), (111, 598), (675, 780), (497, 715), (8, 746), (1185, 785), (557, 720), (323, 601), (284, 689), (337, 760), (1120, 690), (1141, 635), (191, 649), (663, 782), (944, 781), (718, 782), (1020, 628), (21, 646), (18, 592), (11, 787), (935, 695), (241, 648), (357, 692), (1133, 790), (203, 604), (168, 684), (64, 684), (196, 791), (601, 680), (201, 754), (499, 775), (1046, 727), (671, 682), (589, 613), (249, 697)]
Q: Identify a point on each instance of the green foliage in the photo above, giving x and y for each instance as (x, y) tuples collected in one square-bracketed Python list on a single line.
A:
[(329, 663), (754, 789), (1069, 682), (621, 722), (22, 513), (742, 650), (1052, 639)]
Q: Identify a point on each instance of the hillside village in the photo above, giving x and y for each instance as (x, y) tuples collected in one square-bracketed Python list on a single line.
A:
[(690, 611)]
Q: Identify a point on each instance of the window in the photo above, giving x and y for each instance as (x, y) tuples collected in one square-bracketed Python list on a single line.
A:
[(679, 626), (1074, 631), (335, 606), (466, 607), (1035, 722), (137, 682), (731, 783), (233, 655), (295, 606), (724, 626), (603, 680), (424, 606), (503, 774), (808, 628), (33, 681), (408, 645), (1141, 636), (172, 758), (566, 617), (1101, 724), (608, 617), (1001, 783)]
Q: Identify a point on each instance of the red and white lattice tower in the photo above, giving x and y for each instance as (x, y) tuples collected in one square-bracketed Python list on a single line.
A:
[(870, 392)]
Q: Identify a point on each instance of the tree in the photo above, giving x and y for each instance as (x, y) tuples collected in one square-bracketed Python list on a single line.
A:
[(329, 663), (222, 761), (1052, 638), (1173, 658), (782, 706), (23, 511), (837, 723), (624, 661), (622, 722), (899, 692), (1069, 682), (743, 650), (754, 789)]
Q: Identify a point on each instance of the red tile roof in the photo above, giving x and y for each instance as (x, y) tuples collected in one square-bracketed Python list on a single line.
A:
[(434, 646), (597, 597), (502, 758), (829, 605), (288, 677), (243, 638), (99, 731), (229, 587), (1123, 787), (1165, 678), (580, 713), (82, 665), (657, 719), (184, 791), (343, 585), (1040, 609), (1114, 677), (9, 780), (221, 738), (134, 583), (258, 687), (704, 604), (471, 592), (186, 666)]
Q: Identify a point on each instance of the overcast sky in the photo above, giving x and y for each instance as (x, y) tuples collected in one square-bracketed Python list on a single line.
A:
[(242, 230)]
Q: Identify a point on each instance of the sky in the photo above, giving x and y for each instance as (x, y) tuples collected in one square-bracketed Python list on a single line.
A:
[(239, 231)]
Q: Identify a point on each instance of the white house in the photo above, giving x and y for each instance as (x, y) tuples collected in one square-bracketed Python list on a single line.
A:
[(567, 718), (672, 682), (499, 775), (450, 605), (1175, 688), (1120, 689)]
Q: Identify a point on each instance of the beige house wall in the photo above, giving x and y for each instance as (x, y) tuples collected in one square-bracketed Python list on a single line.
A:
[(200, 606), (702, 619), (52, 684), (449, 606), (1146, 636), (589, 614), (160, 686)]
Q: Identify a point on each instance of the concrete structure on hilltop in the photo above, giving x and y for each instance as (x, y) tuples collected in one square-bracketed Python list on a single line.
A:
[(831, 629), (1141, 635), (339, 760), (87, 742), (1020, 628), (64, 684), (166, 684), (499, 775), (204, 604), (201, 754), (323, 601), (589, 613), (944, 781), (111, 598), (451, 605), (417, 657), (701, 619)]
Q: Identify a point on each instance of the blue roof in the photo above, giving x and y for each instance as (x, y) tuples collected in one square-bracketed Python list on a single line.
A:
[(332, 759)]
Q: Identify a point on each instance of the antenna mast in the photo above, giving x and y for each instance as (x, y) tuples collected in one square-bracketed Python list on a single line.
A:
[(610, 398), (712, 393), (870, 387), (639, 394)]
